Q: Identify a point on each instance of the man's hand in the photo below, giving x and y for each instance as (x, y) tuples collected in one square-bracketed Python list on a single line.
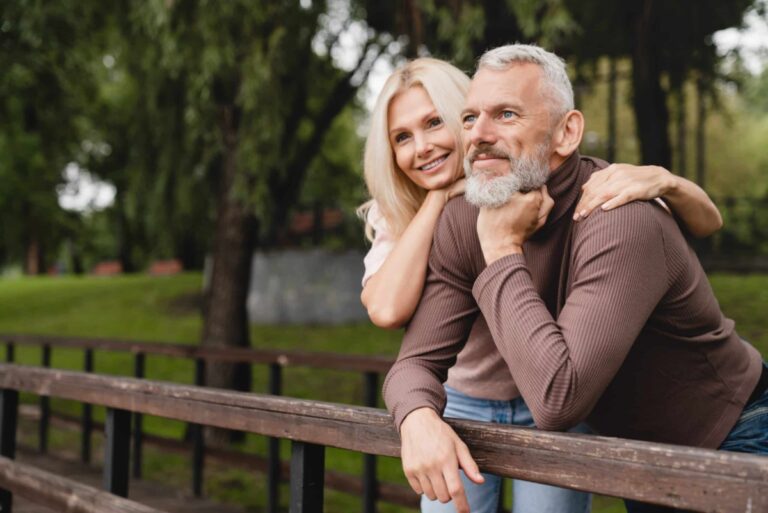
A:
[(502, 231), (432, 454)]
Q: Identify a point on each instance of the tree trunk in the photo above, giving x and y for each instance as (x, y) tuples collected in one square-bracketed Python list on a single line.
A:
[(682, 129), (701, 121), (610, 154), (125, 241), (32, 257), (649, 99), (226, 319)]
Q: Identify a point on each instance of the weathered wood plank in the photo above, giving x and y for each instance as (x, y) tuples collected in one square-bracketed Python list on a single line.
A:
[(697, 479), (388, 492), (62, 494), (352, 363)]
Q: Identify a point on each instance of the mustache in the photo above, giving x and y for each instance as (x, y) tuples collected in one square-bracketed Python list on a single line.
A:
[(489, 150)]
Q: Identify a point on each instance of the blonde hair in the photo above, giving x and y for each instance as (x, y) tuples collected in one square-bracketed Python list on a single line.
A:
[(397, 197)]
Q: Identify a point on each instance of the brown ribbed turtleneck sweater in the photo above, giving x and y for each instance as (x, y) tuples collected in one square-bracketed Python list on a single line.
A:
[(610, 320)]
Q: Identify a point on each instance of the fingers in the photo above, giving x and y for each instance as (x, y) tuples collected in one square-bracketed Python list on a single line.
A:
[(616, 202), (456, 491), (468, 464), (589, 203), (457, 188), (547, 204), (415, 484)]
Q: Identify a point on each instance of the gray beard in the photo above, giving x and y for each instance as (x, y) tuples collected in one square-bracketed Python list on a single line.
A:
[(526, 174)]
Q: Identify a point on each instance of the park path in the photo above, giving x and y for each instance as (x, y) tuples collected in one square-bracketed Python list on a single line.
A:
[(153, 494)]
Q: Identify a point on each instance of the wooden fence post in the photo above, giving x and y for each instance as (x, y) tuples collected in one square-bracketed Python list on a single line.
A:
[(307, 477), (117, 448)]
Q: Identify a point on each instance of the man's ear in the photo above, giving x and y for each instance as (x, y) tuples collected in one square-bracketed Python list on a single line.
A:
[(568, 133)]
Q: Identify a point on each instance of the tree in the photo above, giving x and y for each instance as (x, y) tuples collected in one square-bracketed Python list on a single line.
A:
[(664, 40), (45, 85), (260, 91)]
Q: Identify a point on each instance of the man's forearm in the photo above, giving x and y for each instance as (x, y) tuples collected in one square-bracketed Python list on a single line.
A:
[(563, 366)]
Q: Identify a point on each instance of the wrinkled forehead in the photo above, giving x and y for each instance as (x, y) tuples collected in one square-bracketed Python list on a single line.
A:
[(519, 84)]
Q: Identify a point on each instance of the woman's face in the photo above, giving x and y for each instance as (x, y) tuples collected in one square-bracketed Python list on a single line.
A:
[(425, 149)]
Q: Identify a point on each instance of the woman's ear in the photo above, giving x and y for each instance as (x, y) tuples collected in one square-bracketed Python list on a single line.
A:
[(568, 133)]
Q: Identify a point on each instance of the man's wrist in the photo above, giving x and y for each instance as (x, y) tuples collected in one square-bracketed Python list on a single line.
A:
[(418, 415), (498, 252)]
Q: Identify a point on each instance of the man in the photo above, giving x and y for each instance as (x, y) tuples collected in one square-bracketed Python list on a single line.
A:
[(610, 320)]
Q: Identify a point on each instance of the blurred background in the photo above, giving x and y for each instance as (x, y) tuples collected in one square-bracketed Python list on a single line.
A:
[(188, 170)]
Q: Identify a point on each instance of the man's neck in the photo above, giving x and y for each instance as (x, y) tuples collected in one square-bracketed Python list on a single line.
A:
[(562, 185)]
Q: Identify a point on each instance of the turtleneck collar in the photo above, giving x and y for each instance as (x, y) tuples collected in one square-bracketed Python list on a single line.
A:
[(563, 187)]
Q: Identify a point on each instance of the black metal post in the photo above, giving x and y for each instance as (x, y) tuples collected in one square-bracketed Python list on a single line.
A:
[(45, 406), (87, 417), (307, 477), (198, 434), (10, 352), (273, 445), (117, 449), (370, 484), (138, 420), (9, 415), (500, 508)]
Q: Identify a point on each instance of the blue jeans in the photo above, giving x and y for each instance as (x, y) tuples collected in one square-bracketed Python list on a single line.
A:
[(528, 497), (750, 435)]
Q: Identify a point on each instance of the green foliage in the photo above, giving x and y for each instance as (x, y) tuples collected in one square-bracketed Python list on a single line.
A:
[(45, 85)]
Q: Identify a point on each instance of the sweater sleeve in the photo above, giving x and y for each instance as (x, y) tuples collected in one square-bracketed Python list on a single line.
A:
[(438, 330), (618, 276)]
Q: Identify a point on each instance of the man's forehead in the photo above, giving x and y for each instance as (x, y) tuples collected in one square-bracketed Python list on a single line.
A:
[(519, 81)]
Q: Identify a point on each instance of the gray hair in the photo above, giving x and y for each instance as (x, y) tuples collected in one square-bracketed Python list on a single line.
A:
[(555, 82)]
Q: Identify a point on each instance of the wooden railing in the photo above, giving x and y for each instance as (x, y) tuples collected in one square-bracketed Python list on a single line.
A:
[(59, 493), (370, 367), (689, 478)]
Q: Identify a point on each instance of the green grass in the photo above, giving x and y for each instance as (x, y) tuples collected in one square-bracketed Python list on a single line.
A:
[(166, 309)]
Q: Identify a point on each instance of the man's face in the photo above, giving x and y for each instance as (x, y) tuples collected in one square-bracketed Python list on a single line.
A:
[(506, 134)]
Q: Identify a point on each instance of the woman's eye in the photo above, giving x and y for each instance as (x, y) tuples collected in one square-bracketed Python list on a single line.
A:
[(401, 137), (434, 122)]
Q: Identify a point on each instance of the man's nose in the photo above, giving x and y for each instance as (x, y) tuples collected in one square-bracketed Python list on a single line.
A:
[(482, 131)]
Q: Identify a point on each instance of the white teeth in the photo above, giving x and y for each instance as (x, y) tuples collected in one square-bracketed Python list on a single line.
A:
[(433, 164)]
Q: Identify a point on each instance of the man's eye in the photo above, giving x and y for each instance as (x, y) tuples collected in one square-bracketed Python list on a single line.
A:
[(469, 119), (508, 114), (434, 122)]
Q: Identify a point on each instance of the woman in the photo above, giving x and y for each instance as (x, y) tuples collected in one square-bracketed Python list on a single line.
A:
[(413, 166)]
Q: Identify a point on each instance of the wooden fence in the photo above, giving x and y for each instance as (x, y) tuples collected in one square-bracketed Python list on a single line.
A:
[(694, 479), (370, 368)]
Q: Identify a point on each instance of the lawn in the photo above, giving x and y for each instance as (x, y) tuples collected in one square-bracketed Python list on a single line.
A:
[(167, 309)]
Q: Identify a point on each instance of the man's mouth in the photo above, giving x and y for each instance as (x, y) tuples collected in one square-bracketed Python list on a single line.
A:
[(433, 164), (487, 155)]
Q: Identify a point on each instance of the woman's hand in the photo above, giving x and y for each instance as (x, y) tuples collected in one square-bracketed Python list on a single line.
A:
[(502, 231), (618, 184), (451, 191)]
